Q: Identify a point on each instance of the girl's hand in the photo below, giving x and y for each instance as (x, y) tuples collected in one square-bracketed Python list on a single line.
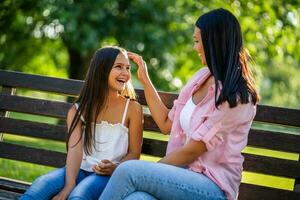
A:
[(63, 194), (105, 167), (142, 67)]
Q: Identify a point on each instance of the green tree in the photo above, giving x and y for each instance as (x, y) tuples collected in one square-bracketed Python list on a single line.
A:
[(65, 34)]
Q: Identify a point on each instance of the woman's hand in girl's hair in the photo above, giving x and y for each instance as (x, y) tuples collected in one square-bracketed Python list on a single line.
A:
[(105, 167), (142, 71)]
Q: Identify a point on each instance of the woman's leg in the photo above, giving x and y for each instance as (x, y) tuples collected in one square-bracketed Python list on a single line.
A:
[(89, 188), (48, 185), (160, 181)]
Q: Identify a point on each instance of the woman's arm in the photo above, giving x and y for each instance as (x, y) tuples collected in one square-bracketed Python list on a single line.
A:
[(186, 154), (74, 157), (157, 108)]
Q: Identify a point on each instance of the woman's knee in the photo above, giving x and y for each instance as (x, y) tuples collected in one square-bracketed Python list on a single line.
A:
[(129, 167)]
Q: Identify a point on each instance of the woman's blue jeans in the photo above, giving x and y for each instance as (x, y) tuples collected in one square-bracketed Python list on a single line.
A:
[(88, 185), (143, 180)]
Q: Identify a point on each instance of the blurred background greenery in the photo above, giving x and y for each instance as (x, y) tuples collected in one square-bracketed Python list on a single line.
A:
[(58, 38)]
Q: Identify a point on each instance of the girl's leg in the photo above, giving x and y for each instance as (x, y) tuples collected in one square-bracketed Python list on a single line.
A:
[(160, 181), (89, 188), (48, 185), (139, 196)]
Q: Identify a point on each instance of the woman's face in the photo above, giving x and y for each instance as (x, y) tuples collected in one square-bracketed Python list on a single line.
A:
[(198, 46), (120, 73)]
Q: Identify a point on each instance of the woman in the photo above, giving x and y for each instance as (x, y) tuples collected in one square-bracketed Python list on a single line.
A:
[(208, 124)]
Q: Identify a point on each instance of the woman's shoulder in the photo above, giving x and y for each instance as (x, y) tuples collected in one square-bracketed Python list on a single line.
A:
[(204, 71), (201, 74)]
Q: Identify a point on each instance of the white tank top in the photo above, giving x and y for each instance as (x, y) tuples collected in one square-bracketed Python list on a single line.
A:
[(185, 115), (111, 142)]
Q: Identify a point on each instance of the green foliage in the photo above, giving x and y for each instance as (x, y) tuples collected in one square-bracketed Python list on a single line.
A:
[(59, 38)]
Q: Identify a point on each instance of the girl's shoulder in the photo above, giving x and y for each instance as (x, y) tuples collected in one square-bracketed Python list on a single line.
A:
[(134, 106), (134, 109), (72, 110)]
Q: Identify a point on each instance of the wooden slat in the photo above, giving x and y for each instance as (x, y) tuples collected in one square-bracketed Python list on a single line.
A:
[(149, 124), (167, 97), (32, 155), (154, 147), (13, 185), (34, 106), (8, 195), (33, 129), (42, 83), (255, 192), (8, 91), (274, 140), (278, 115), (272, 166)]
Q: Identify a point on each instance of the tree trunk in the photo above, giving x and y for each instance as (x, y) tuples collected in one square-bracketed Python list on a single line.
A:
[(77, 68)]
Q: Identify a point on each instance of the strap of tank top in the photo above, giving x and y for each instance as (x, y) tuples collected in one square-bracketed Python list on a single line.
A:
[(125, 112), (81, 117)]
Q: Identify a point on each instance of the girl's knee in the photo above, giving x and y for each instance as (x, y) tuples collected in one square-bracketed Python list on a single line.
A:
[(44, 180), (77, 194)]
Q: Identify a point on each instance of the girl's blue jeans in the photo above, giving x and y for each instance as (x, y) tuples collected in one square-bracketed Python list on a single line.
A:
[(143, 180), (88, 185)]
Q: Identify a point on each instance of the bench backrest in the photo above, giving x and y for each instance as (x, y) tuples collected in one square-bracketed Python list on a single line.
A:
[(267, 139)]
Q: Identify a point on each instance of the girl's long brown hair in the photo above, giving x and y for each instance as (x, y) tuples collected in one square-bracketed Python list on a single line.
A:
[(93, 94)]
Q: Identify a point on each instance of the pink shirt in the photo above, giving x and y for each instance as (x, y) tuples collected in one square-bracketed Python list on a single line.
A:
[(224, 132)]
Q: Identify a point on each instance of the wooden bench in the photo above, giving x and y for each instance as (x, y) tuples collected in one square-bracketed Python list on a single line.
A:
[(9, 101)]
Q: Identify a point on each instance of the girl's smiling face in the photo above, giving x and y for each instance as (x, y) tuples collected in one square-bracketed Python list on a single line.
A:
[(120, 73)]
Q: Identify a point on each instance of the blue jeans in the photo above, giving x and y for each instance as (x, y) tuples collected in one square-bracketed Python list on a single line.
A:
[(143, 180), (88, 185)]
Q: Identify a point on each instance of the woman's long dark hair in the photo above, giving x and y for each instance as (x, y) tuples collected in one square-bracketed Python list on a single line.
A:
[(93, 94), (226, 57)]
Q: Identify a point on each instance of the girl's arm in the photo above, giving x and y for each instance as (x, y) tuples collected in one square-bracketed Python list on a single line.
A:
[(74, 156), (157, 108), (135, 115), (186, 154)]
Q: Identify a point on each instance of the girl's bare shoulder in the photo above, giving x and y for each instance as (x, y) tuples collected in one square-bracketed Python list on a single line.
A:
[(134, 107)]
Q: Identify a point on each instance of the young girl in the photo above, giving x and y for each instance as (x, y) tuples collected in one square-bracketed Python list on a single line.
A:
[(105, 129), (208, 124)]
